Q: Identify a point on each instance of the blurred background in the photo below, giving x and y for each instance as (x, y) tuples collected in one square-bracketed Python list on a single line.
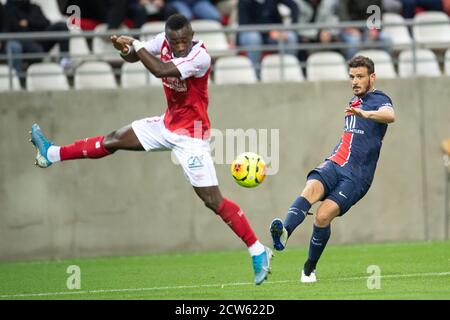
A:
[(277, 65)]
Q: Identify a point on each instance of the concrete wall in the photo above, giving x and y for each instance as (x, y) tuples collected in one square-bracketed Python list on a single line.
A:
[(134, 203)]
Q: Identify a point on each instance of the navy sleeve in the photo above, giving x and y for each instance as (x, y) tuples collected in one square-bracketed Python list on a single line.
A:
[(382, 100)]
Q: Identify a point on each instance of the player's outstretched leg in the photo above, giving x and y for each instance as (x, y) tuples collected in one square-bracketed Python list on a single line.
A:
[(90, 148), (48, 153), (42, 145), (281, 231), (235, 218)]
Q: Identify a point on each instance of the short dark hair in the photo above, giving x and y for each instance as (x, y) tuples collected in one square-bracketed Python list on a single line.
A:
[(361, 61), (176, 22)]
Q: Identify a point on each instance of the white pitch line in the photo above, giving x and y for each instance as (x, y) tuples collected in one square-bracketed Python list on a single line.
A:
[(435, 274)]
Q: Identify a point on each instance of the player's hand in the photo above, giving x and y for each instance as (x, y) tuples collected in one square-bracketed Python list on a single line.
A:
[(357, 112), (121, 43)]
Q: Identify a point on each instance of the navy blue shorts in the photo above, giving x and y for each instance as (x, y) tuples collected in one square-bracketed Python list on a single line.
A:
[(338, 185)]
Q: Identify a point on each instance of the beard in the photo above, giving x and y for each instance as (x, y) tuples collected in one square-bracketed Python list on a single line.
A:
[(367, 89)]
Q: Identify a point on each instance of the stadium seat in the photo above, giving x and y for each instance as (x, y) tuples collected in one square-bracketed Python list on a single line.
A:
[(434, 36), (237, 69), (399, 35), (427, 64), (216, 42), (326, 66), (46, 76), (447, 63), (103, 47), (136, 75), (4, 79), (384, 67), (95, 75), (153, 27), (78, 48), (50, 9), (271, 70)]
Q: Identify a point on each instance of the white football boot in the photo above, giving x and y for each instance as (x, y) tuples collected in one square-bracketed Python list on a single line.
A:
[(308, 279)]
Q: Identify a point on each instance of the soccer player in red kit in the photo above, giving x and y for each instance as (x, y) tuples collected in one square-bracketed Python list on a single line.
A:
[(184, 67)]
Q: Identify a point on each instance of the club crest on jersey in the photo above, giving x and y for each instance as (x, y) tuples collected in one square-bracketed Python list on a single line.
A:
[(195, 162)]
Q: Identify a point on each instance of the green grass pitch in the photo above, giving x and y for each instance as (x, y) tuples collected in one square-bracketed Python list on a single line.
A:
[(414, 270)]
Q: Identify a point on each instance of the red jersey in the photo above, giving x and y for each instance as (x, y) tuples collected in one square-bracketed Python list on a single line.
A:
[(187, 96)]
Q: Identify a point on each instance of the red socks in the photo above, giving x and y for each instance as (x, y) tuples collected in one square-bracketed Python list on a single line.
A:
[(234, 217), (91, 148)]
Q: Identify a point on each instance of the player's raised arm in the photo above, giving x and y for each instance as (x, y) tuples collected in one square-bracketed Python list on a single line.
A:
[(133, 50), (382, 115), (125, 49), (159, 68)]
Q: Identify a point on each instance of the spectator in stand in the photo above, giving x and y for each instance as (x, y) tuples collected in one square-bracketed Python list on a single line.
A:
[(316, 11), (410, 6), (111, 12), (356, 10), (227, 9), (156, 9), (1, 28), (394, 6), (200, 9), (24, 16), (253, 12), (138, 11)]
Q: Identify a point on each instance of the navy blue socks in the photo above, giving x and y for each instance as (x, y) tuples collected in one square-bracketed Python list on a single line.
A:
[(318, 242), (296, 214)]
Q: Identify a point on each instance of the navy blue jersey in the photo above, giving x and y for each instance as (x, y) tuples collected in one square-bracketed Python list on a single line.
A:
[(360, 145)]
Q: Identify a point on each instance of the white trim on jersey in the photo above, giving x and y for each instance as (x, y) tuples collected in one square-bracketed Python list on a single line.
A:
[(195, 64), (153, 46)]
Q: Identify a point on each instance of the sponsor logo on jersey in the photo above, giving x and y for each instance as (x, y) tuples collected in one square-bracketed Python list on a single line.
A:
[(175, 84)]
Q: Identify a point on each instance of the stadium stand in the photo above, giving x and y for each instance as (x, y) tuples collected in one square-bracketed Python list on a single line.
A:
[(101, 46), (46, 76), (326, 66), (78, 47), (94, 75), (237, 69), (50, 9), (384, 67), (434, 36), (399, 35), (215, 42), (153, 27), (271, 68), (427, 64), (4, 79), (136, 75)]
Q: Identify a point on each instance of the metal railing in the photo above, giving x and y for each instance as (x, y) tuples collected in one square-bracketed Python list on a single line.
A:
[(280, 47)]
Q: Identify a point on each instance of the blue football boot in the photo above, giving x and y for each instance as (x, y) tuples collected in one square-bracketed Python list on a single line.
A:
[(41, 144), (279, 234), (261, 265)]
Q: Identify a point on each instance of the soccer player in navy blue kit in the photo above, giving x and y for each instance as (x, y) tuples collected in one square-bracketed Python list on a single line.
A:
[(344, 177)]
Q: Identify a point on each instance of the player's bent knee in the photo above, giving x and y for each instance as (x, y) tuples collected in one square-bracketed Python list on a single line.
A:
[(112, 141), (322, 220), (313, 191), (212, 203)]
